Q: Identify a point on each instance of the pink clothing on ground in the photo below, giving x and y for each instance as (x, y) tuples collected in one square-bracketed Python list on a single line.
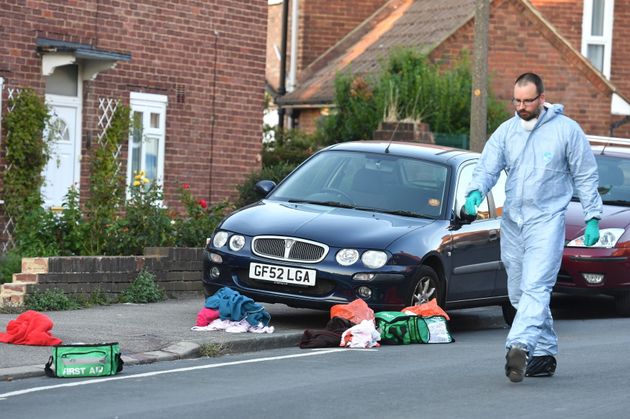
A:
[(206, 315)]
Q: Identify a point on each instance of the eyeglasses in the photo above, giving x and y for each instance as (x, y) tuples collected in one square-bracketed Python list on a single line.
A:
[(525, 102)]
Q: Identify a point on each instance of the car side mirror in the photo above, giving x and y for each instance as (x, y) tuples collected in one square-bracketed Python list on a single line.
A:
[(466, 218), (263, 187), (461, 217)]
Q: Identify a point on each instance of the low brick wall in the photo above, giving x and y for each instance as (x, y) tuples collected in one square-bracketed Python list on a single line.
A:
[(177, 270)]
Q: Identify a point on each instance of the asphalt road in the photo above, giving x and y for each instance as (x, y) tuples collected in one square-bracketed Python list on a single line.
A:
[(464, 379)]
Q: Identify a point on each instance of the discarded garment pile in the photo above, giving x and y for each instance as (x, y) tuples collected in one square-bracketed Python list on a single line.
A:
[(355, 325), (30, 328), (232, 312)]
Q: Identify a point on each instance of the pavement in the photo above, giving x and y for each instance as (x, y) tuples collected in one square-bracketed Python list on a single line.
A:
[(162, 331)]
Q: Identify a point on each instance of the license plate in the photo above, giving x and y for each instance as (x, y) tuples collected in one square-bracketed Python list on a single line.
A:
[(282, 274)]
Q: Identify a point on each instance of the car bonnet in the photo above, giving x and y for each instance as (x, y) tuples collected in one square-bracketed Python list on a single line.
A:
[(336, 227)]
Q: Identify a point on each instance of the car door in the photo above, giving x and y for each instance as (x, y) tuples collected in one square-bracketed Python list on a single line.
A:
[(474, 248)]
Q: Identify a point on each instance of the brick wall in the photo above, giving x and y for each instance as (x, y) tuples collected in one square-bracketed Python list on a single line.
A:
[(177, 270), (324, 22), (214, 80), (526, 46), (274, 37)]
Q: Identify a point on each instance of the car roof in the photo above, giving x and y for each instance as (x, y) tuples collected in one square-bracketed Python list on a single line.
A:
[(610, 146), (432, 152)]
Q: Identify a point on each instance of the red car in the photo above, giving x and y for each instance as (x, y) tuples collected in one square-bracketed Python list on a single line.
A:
[(605, 267)]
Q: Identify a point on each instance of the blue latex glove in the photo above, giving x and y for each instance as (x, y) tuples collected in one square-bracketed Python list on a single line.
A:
[(472, 202), (591, 235)]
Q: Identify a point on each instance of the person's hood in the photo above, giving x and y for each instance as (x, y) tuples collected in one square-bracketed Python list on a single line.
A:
[(336, 227), (551, 111)]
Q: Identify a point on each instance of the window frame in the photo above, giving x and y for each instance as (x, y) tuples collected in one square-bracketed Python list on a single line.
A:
[(605, 39), (148, 103)]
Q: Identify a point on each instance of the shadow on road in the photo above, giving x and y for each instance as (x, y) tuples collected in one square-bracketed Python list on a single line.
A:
[(574, 307)]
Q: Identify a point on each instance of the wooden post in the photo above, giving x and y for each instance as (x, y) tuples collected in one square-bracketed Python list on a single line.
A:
[(479, 94)]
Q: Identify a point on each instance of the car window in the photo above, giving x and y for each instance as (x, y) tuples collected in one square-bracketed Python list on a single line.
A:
[(498, 192), (369, 181), (464, 178), (614, 178)]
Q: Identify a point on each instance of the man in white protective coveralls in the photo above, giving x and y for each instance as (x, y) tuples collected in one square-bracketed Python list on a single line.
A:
[(544, 154)]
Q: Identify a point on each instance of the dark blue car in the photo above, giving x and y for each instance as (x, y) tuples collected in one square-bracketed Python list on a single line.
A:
[(371, 220)]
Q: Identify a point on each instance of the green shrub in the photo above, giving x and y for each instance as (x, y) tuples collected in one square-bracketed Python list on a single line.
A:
[(409, 87), (199, 222), (50, 300), (291, 146), (143, 290), (27, 153), (71, 230), (35, 233), (357, 114), (145, 222), (247, 189), (107, 183), (10, 263)]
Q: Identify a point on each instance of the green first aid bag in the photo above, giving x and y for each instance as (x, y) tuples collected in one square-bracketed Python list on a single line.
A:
[(84, 360), (397, 328)]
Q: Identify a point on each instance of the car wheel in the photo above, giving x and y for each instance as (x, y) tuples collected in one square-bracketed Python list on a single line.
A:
[(426, 286), (622, 304), (509, 312)]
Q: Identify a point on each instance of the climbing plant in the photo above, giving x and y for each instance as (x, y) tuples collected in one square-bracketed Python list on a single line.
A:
[(27, 153), (107, 183)]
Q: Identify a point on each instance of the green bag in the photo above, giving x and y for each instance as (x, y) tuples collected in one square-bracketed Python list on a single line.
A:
[(397, 328), (84, 360)]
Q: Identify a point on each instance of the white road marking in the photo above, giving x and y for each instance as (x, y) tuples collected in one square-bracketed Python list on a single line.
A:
[(176, 370)]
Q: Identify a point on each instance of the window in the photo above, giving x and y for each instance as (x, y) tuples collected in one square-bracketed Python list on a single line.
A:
[(597, 26), (465, 176), (147, 136)]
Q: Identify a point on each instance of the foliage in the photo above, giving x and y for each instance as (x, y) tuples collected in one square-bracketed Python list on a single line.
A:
[(146, 222), (409, 87), (211, 350), (200, 219), (247, 189), (291, 146), (143, 290), (107, 184), (10, 263), (71, 231), (27, 153), (50, 300), (358, 111), (35, 233)]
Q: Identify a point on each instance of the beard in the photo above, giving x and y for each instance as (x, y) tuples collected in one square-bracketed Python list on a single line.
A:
[(527, 115)]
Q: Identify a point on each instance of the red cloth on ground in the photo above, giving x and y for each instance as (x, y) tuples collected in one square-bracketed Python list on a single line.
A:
[(430, 308), (206, 316), (30, 328)]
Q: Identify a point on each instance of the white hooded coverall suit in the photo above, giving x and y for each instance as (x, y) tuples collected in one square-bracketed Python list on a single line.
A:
[(542, 165)]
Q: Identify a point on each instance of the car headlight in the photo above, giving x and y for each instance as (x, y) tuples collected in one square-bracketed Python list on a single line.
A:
[(346, 257), (374, 259), (237, 242), (219, 239), (608, 238)]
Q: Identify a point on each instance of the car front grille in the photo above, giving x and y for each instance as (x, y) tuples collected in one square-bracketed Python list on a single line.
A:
[(289, 249)]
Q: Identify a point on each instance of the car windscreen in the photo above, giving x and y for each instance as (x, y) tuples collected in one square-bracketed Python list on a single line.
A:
[(614, 179), (367, 181)]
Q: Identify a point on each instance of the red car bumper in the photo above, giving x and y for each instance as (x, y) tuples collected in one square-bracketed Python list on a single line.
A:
[(609, 269)]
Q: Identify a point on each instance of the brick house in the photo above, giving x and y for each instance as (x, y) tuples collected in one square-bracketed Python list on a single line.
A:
[(580, 48), (192, 71)]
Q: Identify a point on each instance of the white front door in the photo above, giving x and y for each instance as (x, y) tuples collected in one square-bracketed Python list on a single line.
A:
[(63, 168)]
